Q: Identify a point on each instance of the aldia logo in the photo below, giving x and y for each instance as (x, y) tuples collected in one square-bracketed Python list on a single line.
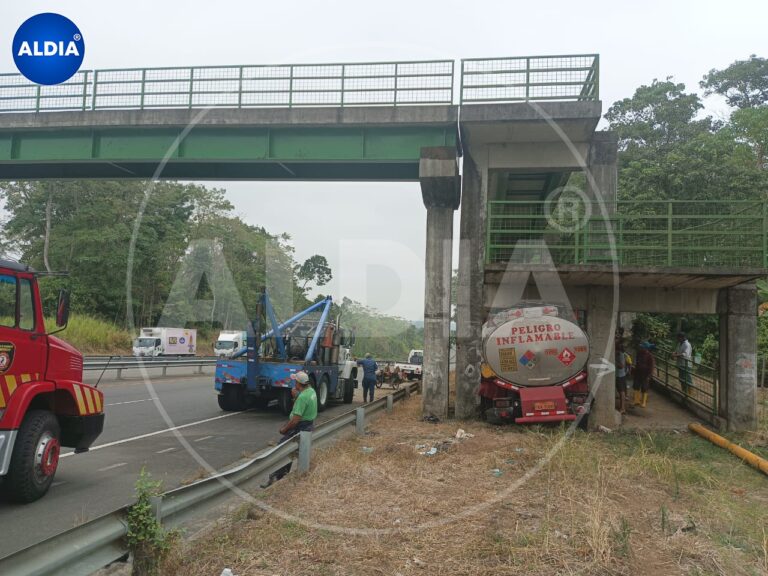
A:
[(48, 48)]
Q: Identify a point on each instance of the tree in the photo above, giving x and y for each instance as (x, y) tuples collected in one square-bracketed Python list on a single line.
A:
[(750, 125), (657, 116), (316, 270), (744, 83)]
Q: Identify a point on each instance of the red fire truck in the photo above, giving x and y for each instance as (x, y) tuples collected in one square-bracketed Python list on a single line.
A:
[(534, 368), (44, 404)]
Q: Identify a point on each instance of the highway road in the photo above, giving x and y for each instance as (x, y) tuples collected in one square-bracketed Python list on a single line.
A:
[(137, 435)]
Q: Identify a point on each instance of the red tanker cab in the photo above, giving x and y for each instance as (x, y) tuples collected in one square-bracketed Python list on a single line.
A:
[(44, 404)]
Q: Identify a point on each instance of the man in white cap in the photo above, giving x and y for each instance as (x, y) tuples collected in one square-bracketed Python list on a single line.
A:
[(302, 417)]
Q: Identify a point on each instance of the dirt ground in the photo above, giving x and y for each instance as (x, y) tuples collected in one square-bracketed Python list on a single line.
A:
[(507, 500)]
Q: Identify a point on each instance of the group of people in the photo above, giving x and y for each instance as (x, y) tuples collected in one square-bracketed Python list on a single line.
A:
[(643, 368)]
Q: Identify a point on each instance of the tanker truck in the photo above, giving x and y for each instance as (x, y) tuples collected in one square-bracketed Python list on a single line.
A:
[(534, 367)]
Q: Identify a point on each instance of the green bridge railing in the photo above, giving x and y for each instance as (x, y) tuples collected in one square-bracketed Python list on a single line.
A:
[(692, 234), (427, 82)]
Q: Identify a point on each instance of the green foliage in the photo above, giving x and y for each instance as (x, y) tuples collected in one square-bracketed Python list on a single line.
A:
[(386, 337), (147, 539), (93, 336), (744, 83), (316, 270)]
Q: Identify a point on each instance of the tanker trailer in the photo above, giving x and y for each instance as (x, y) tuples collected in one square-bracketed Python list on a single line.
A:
[(534, 367)]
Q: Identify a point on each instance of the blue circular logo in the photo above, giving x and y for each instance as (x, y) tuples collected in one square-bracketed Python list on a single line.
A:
[(48, 49)]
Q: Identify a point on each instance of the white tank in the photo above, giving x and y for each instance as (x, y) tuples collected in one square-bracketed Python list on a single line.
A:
[(534, 346)]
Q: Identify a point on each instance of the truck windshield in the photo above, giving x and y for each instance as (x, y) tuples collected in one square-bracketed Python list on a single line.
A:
[(225, 345), (416, 359), (145, 342)]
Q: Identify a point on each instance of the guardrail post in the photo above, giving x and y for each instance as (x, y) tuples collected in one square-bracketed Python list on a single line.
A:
[(143, 86), (305, 449), (240, 89), (37, 99), (360, 421), (95, 84), (527, 79), (343, 82), (290, 87), (390, 403), (165, 370), (85, 90), (199, 368), (191, 84), (119, 373), (397, 71)]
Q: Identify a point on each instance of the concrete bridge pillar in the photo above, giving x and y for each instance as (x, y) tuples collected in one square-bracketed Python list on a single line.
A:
[(601, 162), (737, 307), (470, 290), (601, 329), (439, 178)]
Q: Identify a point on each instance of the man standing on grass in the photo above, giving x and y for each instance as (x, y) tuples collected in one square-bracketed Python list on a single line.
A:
[(369, 376), (302, 417)]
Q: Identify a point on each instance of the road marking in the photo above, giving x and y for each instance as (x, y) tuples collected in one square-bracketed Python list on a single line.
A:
[(165, 451), (203, 438), (111, 467), (148, 435), (130, 402)]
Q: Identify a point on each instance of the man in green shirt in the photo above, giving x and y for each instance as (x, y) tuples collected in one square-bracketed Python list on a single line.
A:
[(302, 417)]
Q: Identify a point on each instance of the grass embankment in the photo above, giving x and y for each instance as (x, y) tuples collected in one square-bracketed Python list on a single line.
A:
[(658, 503), (93, 336)]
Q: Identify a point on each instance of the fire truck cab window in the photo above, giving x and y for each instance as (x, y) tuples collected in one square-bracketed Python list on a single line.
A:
[(7, 301), (26, 305)]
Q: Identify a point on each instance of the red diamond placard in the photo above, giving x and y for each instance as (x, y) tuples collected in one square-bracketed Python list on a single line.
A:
[(566, 357)]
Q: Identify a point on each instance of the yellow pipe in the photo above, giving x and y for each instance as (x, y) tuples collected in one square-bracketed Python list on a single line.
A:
[(748, 457)]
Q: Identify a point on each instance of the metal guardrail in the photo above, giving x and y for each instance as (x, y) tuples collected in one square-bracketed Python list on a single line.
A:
[(697, 383), (664, 233), (94, 544), (530, 78), (252, 86), (121, 363)]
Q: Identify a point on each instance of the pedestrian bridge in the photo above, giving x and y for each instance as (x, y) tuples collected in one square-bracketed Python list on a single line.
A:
[(355, 121)]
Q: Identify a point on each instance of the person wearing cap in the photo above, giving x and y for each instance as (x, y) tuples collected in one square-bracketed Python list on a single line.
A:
[(369, 376), (683, 354), (644, 369), (302, 417)]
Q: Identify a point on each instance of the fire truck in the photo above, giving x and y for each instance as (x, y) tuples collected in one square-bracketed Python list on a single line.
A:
[(44, 404), (534, 368)]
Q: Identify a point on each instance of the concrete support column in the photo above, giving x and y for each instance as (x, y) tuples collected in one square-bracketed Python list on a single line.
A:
[(438, 175), (601, 163), (601, 328), (470, 296), (737, 307)]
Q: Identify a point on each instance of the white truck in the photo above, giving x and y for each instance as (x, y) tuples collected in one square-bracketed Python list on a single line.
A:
[(411, 370), (229, 343), (165, 342)]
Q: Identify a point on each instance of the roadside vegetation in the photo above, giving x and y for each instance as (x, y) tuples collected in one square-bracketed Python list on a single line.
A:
[(665, 502)]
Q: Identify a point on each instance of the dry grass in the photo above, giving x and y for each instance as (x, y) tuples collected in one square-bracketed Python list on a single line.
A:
[(605, 504)]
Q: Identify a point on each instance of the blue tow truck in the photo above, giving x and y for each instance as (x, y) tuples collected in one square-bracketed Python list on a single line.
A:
[(260, 373)]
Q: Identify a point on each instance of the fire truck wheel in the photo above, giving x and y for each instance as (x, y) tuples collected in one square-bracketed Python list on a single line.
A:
[(35, 457), (322, 393), (349, 390)]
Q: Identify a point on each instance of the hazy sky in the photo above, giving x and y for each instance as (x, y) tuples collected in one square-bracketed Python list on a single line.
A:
[(373, 234)]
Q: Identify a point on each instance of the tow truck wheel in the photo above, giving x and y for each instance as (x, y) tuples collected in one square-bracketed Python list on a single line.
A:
[(322, 393), (285, 402), (232, 398), (35, 457), (349, 390)]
